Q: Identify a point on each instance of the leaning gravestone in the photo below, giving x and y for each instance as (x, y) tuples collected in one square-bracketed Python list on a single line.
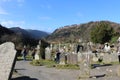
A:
[(7, 60)]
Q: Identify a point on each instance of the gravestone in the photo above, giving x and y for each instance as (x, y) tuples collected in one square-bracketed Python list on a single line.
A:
[(47, 53), (108, 58), (7, 60), (85, 65), (62, 59), (37, 53), (72, 58)]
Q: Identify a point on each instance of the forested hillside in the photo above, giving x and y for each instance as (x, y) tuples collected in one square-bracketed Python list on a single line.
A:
[(73, 33)]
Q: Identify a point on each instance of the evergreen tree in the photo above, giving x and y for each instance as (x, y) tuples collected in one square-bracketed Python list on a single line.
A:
[(101, 33)]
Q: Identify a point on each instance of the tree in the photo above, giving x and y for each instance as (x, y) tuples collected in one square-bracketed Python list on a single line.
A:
[(101, 33)]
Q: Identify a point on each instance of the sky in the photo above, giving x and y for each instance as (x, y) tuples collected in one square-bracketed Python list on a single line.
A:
[(48, 15)]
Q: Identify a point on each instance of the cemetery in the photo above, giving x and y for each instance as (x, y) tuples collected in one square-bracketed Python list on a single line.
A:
[(88, 59), (59, 40), (84, 57)]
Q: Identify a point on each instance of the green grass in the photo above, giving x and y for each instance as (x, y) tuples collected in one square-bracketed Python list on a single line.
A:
[(47, 63), (36, 63), (114, 63), (51, 64), (68, 66), (28, 57)]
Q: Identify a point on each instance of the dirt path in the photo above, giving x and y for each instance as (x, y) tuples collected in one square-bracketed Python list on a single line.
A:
[(29, 72), (43, 73)]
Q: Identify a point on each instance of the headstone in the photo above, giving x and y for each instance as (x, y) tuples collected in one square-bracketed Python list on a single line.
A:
[(107, 47), (118, 39), (79, 48), (85, 66), (72, 58), (62, 59), (108, 58), (37, 53), (47, 53), (7, 60)]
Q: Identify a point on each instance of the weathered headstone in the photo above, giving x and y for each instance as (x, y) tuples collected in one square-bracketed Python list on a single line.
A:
[(37, 53), (62, 59), (7, 60), (47, 53), (85, 65), (72, 58), (108, 58)]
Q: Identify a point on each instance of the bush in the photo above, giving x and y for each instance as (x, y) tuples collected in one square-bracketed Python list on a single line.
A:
[(101, 33)]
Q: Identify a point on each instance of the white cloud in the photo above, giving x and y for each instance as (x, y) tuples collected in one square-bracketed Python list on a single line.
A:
[(79, 14), (2, 11), (6, 0), (45, 18), (20, 1), (47, 6), (12, 23)]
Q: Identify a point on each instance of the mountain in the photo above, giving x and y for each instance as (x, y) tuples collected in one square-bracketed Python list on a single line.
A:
[(4, 31), (6, 34), (76, 32), (21, 36), (35, 34)]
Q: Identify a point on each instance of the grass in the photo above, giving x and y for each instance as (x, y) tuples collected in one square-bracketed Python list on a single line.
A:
[(42, 63), (68, 66), (114, 63), (36, 63), (51, 64), (28, 57)]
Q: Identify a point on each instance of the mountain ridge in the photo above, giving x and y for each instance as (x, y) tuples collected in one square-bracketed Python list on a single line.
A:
[(35, 34), (71, 33), (20, 36)]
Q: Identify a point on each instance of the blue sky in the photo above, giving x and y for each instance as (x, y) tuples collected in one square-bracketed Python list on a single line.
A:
[(48, 15)]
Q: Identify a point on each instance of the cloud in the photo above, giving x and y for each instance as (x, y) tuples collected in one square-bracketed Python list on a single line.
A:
[(45, 18), (6, 0), (79, 14), (12, 23), (46, 6), (2, 11), (20, 2)]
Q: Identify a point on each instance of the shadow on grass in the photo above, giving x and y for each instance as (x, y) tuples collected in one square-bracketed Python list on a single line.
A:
[(100, 65), (24, 78), (19, 69), (98, 76)]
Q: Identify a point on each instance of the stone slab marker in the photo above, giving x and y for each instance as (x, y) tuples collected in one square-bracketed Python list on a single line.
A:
[(7, 60)]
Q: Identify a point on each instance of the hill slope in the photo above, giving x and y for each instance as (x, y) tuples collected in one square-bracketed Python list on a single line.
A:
[(20, 36), (75, 32), (35, 34)]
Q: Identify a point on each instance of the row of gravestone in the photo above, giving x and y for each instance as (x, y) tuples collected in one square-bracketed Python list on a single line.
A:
[(74, 58)]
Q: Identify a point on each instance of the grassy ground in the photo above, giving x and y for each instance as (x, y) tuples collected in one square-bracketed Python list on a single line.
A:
[(50, 64)]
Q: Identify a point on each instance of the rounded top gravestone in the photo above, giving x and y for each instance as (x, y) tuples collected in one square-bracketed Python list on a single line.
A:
[(7, 56)]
